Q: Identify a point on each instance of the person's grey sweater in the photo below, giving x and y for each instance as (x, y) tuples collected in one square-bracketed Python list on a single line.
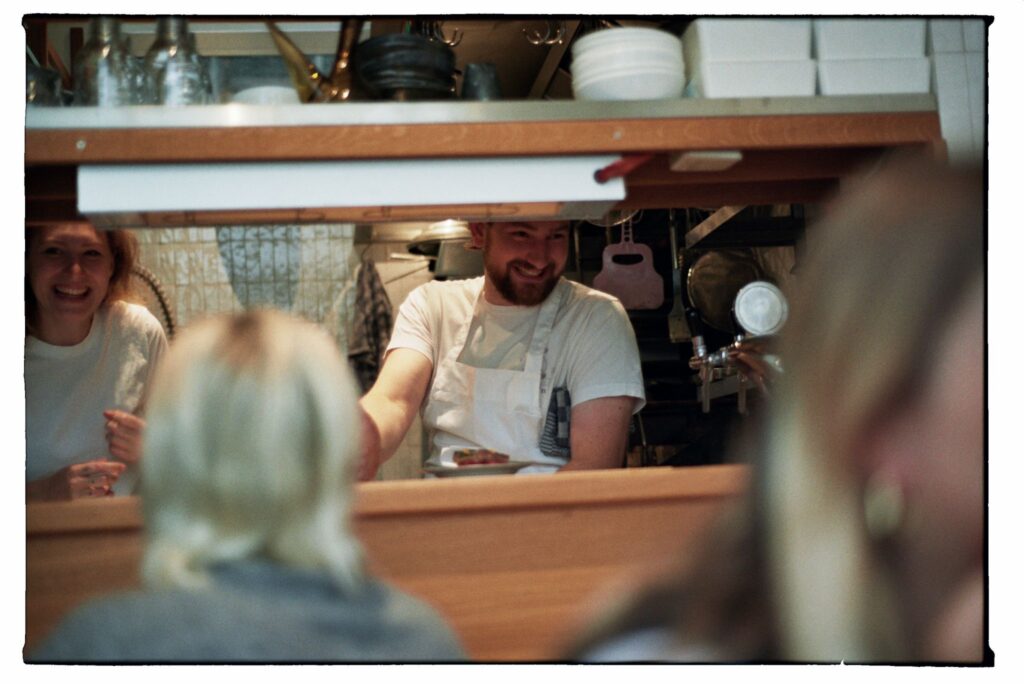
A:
[(253, 612)]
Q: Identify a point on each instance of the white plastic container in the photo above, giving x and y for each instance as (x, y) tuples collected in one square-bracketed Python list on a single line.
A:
[(752, 79), (868, 38), (874, 76), (747, 40)]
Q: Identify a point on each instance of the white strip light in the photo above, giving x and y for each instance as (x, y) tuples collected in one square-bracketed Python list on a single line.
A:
[(112, 189)]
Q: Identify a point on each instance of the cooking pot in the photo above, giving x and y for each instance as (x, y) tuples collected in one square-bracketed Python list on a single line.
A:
[(714, 280)]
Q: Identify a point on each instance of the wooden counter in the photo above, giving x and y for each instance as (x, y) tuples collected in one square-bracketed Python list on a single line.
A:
[(513, 563)]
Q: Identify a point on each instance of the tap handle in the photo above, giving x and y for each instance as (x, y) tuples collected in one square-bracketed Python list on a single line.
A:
[(693, 322)]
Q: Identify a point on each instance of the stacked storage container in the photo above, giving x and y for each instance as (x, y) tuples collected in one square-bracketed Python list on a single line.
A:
[(957, 49), (871, 56), (749, 58)]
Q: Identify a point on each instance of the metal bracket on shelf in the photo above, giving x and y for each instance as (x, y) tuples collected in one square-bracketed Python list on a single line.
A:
[(708, 225)]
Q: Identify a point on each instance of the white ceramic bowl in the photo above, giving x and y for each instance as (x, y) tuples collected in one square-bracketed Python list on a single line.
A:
[(267, 95), (629, 84), (635, 36), (592, 62), (635, 71)]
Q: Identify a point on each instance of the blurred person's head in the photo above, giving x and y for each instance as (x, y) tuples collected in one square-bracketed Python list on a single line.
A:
[(71, 270), (873, 484), (250, 445)]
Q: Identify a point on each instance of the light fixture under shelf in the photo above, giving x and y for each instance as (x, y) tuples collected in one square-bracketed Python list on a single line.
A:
[(495, 188)]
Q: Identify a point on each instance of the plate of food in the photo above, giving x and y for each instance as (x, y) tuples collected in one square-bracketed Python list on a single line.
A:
[(462, 462)]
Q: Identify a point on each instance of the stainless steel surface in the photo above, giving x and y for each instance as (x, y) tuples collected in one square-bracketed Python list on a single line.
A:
[(386, 113)]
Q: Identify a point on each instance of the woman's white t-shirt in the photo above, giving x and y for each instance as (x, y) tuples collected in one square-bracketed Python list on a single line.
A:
[(68, 388)]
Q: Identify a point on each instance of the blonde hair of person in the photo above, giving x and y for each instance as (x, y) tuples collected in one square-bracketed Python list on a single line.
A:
[(890, 264), (250, 450)]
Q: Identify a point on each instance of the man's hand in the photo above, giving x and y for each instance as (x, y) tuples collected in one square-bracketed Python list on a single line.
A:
[(124, 435), (753, 362), (80, 480)]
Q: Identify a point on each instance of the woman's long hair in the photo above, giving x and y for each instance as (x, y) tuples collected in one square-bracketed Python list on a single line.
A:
[(789, 573), (250, 446), (887, 268)]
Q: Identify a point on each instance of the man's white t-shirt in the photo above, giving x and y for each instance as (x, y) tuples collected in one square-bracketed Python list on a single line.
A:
[(68, 388), (592, 349)]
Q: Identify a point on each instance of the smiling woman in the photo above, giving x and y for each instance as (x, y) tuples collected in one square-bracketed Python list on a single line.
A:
[(88, 358)]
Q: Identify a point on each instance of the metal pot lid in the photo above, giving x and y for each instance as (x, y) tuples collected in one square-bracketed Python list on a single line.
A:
[(713, 282), (761, 308), (429, 240)]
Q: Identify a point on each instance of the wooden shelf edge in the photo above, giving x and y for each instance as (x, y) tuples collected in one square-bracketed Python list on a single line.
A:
[(500, 138), (462, 495)]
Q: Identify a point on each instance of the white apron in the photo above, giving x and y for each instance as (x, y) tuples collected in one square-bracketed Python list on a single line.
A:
[(493, 408)]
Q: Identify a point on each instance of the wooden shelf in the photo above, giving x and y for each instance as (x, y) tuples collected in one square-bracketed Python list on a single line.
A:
[(794, 149)]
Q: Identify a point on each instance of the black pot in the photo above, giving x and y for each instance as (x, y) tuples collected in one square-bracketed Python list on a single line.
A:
[(394, 42), (402, 51)]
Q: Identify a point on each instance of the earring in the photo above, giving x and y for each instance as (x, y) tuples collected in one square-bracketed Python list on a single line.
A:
[(884, 507)]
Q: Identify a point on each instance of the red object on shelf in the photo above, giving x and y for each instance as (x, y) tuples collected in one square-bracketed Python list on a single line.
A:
[(622, 167)]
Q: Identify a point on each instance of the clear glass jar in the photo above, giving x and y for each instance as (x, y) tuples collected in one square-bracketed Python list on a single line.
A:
[(42, 87), (173, 67), (105, 73)]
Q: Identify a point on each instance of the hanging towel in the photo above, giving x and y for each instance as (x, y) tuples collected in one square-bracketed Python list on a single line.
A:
[(371, 325)]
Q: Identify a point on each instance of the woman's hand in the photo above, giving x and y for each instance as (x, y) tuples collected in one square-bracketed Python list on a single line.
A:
[(124, 435), (77, 481)]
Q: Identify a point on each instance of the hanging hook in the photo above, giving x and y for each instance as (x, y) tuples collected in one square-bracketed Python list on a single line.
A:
[(436, 32), (554, 34)]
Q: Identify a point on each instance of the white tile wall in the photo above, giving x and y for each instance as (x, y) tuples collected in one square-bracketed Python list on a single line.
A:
[(949, 76), (958, 81), (974, 35), (945, 35), (976, 79), (308, 270)]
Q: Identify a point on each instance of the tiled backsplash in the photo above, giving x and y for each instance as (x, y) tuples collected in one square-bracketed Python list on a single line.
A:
[(307, 270)]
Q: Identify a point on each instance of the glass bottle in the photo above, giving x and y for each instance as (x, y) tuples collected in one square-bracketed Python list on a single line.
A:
[(105, 75), (174, 68)]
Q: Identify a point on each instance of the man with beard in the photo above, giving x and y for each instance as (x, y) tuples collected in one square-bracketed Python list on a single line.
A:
[(520, 361)]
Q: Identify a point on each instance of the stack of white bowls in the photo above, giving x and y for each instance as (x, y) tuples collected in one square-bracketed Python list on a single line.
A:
[(627, 64)]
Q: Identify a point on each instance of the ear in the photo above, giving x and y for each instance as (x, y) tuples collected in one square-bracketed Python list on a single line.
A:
[(477, 232)]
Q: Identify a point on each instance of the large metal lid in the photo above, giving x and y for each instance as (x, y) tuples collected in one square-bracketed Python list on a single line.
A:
[(428, 242), (761, 308)]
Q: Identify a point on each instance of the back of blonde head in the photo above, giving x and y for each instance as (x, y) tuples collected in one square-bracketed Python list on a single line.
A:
[(252, 432), (887, 268)]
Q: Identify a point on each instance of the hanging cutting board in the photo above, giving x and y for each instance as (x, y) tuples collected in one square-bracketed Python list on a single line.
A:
[(635, 283)]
